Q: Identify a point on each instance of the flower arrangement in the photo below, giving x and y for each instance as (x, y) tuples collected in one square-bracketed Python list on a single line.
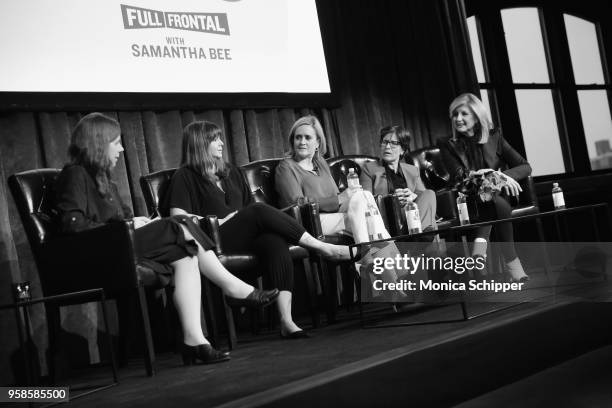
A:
[(482, 183)]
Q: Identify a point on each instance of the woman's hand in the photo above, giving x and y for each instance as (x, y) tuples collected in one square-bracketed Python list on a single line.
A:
[(227, 218), (513, 188), (404, 195)]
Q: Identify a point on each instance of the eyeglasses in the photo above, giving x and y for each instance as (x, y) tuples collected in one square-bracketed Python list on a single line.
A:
[(393, 143)]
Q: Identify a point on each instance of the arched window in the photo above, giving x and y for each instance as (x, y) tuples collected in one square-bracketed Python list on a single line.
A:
[(542, 72)]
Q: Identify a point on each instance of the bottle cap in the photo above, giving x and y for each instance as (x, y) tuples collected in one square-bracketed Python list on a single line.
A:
[(555, 184)]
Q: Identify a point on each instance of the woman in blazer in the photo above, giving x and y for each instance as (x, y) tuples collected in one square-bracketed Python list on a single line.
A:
[(477, 145), (390, 175)]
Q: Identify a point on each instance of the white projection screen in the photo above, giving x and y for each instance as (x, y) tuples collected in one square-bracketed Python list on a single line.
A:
[(187, 47)]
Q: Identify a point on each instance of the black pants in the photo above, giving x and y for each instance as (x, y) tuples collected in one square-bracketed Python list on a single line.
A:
[(498, 208), (267, 232)]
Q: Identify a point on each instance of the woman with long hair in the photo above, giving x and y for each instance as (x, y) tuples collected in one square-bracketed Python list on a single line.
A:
[(175, 248), (476, 145), (207, 185)]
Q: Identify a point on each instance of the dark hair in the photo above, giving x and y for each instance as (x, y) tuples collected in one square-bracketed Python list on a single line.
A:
[(403, 136), (197, 137), (88, 147)]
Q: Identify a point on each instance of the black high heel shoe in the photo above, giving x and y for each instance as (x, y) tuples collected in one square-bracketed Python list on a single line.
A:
[(257, 298), (205, 353)]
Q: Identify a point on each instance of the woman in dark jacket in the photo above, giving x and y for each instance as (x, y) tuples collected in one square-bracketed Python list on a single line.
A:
[(477, 146), (176, 248), (207, 185)]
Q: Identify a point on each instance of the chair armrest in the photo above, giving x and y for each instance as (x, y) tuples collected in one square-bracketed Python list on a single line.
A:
[(102, 257), (446, 203), (311, 220), (294, 211), (528, 197), (210, 225), (395, 216)]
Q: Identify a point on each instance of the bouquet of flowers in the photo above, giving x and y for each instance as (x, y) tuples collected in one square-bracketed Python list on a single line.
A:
[(483, 183)]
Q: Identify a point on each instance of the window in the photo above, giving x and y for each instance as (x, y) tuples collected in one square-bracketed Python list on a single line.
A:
[(590, 87), (542, 74)]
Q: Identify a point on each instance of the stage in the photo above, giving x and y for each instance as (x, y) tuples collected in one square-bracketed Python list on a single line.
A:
[(475, 362)]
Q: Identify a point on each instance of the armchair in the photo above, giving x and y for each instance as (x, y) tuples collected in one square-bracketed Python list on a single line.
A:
[(436, 177), (74, 262)]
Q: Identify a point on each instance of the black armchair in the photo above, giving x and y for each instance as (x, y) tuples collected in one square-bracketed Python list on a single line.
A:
[(81, 261), (436, 177)]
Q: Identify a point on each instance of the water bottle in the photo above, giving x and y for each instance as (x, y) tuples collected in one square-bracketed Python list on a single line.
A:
[(413, 218), (352, 179), (557, 195), (371, 214), (464, 216)]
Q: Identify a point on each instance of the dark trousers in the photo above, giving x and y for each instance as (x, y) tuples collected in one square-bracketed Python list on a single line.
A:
[(498, 208), (267, 232)]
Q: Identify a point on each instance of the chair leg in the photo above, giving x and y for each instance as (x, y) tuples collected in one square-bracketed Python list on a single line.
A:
[(149, 352), (231, 327), (54, 327), (541, 237), (311, 293), (111, 349), (330, 288), (348, 283), (209, 313)]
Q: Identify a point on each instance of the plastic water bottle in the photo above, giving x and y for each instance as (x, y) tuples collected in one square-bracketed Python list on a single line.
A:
[(413, 218), (371, 214), (464, 216), (352, 179), (557, 195)]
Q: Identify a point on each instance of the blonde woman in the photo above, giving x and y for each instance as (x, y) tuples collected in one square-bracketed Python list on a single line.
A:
[(477, 145)]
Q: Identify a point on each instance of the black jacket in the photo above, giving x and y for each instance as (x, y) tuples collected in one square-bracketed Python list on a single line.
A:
[(496, 153)]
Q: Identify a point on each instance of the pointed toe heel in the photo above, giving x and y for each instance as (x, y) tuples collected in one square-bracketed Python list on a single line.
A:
[(203, 354), (257, 298)]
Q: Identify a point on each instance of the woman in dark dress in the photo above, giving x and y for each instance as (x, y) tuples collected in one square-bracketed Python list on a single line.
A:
[(176, 248), (477, 146), (206, 185)]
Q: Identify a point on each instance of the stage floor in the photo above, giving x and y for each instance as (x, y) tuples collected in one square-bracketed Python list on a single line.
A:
[(266, 370)]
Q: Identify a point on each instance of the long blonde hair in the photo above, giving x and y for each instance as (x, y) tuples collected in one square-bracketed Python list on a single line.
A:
[(484, 126)]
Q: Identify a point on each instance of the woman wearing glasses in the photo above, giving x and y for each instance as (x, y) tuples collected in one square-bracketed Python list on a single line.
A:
[(390, 175)]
